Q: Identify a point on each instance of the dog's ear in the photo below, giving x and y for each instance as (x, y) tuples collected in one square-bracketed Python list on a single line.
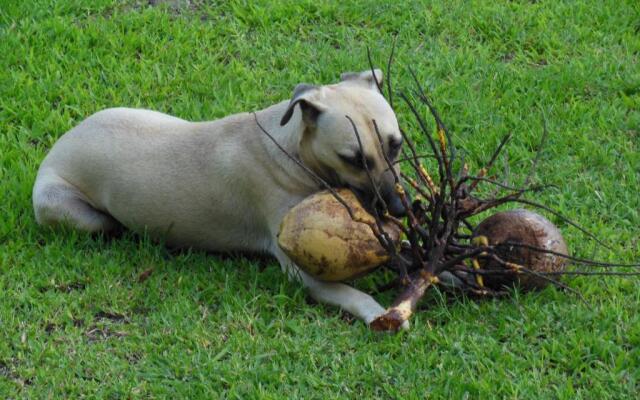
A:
[(303, 95), (366, 78)]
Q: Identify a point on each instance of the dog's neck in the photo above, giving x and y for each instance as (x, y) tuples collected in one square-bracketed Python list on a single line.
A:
[(309, 159), (288, 138)]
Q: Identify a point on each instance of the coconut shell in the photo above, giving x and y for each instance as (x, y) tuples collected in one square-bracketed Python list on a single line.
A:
[(525, 227), (321, 238)]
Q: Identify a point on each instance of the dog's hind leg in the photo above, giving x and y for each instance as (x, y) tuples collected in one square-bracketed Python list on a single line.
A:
[(56, 202)]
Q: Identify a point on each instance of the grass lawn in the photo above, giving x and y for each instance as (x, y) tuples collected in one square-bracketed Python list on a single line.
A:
[(75, 320)]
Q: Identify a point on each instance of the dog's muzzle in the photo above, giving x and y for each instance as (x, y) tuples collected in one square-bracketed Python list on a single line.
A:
[(394, 202), (388, 193)]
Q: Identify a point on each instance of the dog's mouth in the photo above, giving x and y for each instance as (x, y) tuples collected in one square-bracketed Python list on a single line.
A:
[(371, 202), (334, 180), (368, 196)]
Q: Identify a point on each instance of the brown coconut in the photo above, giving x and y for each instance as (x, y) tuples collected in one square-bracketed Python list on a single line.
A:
[(319, 236), (525, 227)]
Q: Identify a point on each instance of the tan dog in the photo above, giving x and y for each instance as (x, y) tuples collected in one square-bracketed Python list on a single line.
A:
[(222, 185)]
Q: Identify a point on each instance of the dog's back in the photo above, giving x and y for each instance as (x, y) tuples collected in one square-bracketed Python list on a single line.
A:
[(147, 171)]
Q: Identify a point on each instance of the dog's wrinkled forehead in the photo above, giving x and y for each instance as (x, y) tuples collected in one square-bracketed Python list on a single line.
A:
[(362, 104), (356, 95), (359, 97), (371, 79), (360, 90)]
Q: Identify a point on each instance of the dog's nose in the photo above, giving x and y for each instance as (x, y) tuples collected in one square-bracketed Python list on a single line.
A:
[(394, 203), (388, 193), (391, 197), (395, 206)]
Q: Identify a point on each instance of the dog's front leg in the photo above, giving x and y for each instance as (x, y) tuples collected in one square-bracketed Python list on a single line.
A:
[(352, 300)]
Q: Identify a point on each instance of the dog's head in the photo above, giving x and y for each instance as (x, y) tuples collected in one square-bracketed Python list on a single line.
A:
[(329, 144)]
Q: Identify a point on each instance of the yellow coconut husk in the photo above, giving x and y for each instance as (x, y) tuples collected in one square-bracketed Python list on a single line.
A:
[(321, 238)]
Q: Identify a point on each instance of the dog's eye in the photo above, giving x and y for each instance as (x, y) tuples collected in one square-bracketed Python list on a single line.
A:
[(394, 146), (356, 161)]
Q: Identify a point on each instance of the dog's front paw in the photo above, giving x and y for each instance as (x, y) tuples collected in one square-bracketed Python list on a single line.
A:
[(373, 312)]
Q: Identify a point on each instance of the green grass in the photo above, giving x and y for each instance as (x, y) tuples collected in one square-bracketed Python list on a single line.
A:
[(75, 321)]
